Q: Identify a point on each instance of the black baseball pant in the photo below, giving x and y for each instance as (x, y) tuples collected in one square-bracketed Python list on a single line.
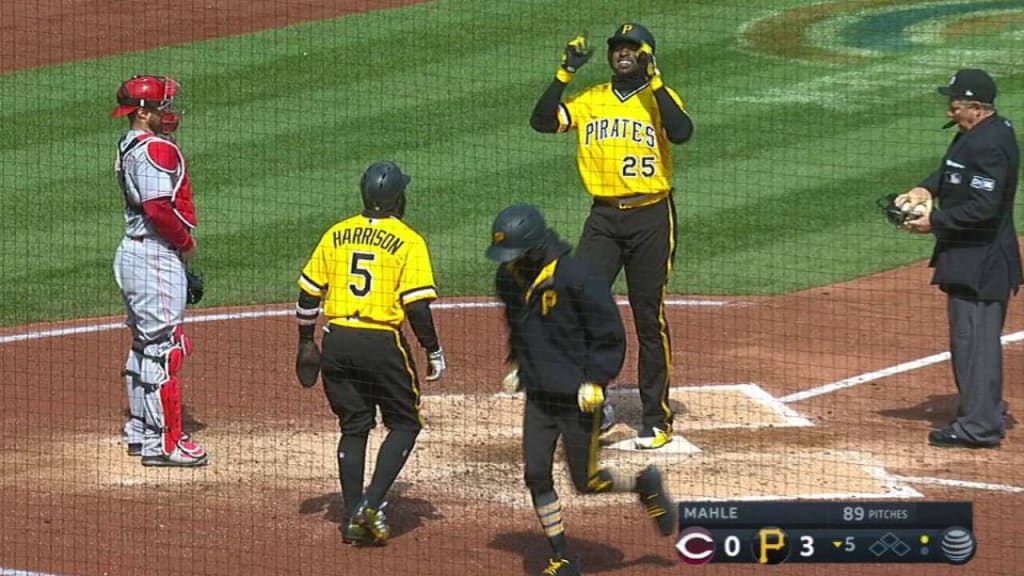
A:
[(643, 241), (545, 418), (363, 369)]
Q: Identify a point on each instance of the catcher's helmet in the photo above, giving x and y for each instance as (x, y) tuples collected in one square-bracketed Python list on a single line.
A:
[(155, 92), (516, 230), (383, 188), (631, 32)]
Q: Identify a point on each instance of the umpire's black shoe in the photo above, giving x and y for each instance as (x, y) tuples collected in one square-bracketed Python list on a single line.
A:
[(948, 438)]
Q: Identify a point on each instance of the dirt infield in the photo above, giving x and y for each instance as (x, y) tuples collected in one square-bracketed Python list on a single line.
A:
[(37, 33), (75, 503)]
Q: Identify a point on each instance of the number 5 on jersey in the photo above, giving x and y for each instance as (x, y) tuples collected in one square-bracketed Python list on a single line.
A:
[(633, 166), (360, 269)]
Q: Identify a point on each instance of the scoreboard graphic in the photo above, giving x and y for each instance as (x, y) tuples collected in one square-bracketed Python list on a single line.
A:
[(822, 532)]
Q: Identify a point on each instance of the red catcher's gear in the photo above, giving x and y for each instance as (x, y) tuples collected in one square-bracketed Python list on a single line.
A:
[(156, 92)]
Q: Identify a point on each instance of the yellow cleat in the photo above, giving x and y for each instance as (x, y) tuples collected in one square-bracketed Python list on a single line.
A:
[(653, 439)]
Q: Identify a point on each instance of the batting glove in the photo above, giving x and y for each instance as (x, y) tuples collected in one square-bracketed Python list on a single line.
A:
[(510, 383), (307, 363), (576, 54), (590, 397), (645, 55), (436, 365)]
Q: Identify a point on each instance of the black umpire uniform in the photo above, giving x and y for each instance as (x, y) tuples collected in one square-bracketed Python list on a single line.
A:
[(373, 271), (566, 337), (976, 256)]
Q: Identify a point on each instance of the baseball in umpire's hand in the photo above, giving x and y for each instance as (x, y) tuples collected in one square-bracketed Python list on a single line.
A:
[(436, 365)]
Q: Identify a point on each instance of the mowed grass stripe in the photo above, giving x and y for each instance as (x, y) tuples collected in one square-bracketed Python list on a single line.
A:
[(283, 122)]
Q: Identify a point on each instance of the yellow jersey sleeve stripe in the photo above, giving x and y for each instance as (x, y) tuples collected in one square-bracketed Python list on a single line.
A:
[(309, 287), (417, 294), (564, 118), (675, 96)]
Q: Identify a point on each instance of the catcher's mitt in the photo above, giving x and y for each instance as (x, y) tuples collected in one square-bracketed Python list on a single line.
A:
[(196, 287)]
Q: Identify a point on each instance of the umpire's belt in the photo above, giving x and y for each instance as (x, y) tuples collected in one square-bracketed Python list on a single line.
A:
[(358, 322), (634, 201)]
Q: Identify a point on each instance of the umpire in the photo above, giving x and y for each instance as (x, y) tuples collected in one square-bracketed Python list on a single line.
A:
[(567, 339), (977, 256), (372, 271), (624, 129)]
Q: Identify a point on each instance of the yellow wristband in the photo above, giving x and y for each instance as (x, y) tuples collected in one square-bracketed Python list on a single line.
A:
[(563, 75), (657, 83)]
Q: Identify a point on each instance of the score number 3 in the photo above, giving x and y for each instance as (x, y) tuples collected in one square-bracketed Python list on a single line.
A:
[(633, 166), (806, 546)]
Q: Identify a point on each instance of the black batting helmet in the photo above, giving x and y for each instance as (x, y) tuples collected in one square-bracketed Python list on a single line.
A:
[(383, 188), (516, 230), (631, 32)]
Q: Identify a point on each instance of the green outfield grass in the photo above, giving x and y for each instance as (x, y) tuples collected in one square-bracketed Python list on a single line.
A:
[(775, 193)]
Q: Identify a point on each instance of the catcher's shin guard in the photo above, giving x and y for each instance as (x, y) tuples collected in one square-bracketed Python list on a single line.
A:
[(160, 370)]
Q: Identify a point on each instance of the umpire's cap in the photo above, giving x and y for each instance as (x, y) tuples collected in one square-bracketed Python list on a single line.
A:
[(631, 32), (517, 229), (971, 84), (383, 187)]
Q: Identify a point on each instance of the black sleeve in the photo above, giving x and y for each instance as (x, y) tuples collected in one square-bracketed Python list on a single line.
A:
[(307, 310), (986, 200), (931, 183), (602, 324), (545, 113), (504, 287), (677, 123), (422, 322)]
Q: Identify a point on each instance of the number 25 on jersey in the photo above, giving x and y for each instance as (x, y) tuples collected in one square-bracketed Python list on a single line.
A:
[(633, 166)]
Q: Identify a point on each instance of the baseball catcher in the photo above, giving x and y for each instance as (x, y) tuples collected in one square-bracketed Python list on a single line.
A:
[(151, 270)]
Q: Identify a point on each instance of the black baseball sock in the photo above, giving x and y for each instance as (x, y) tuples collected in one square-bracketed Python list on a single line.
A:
[(393, 454), (351, 467), (549, 512)]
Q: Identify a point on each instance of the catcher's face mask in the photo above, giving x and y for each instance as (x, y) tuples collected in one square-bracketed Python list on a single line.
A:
[(158, 93)]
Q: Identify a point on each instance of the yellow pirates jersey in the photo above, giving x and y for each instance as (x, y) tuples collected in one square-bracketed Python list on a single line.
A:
[(367, 270), (622, 149)]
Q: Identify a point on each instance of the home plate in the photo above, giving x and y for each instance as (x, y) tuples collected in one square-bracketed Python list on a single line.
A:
[(677, 445)]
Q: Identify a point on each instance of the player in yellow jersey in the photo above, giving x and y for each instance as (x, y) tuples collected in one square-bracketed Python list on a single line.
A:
[(370, 271), (624, 128)]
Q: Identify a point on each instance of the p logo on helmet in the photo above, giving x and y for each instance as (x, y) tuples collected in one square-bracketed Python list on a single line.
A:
[(625, 29)]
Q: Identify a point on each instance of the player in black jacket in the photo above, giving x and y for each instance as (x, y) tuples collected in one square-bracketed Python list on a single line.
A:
[(977, 256), (567, 342)]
